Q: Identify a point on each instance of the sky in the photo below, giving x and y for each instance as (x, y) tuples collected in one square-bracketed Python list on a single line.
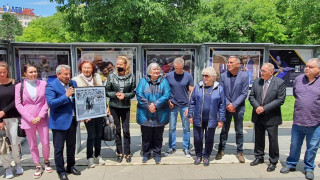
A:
[(41, 7)]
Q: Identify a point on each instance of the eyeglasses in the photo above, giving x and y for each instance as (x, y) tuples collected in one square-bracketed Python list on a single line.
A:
[(205, 75)]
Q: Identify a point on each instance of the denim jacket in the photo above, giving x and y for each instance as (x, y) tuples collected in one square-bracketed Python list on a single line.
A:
[(217, 108), (157, 93)]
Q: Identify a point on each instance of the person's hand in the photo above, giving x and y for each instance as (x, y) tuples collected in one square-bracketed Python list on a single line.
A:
[(231, 108), (220, 124), (171, 105), (191, 120), (36, 120), (2, 125), (120, 95), (152, 108), (69, 92), (2, 114), (88, 120), (108, 112), (259, 110), (186, 113)]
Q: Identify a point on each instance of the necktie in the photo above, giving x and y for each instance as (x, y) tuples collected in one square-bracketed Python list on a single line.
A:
[(265, 89)]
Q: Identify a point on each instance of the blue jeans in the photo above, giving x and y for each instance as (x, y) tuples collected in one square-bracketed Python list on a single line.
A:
[(238, 126), (250, 76), (298, 133), (173, 125)]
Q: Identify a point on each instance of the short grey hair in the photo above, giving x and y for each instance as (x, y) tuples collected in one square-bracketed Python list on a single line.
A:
[(271, 66), (317, 60), (59, 68), (178, 60), (209, 71), (238, 60), (152, 65)]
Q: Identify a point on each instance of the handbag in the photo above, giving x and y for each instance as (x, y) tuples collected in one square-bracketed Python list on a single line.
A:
[(21, 132), (109, 129), (5, 145)]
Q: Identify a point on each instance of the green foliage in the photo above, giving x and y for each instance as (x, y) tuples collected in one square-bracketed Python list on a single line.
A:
[(180, 21), (47, 29), (129, 21), (10, 27)]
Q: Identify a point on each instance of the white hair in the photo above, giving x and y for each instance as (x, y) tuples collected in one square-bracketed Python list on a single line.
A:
[(152, 65), (59, 68)]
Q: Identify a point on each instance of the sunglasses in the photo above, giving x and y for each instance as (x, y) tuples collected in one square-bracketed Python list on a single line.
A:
[(205, 75)]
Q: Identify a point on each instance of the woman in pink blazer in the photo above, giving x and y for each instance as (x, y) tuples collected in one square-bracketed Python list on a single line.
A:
[(34, 116)]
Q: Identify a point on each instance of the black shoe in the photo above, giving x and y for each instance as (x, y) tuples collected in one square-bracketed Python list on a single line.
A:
[(119, 159), (271, 167), (73, 171), (256, 162), (63, 176), (128, 158)]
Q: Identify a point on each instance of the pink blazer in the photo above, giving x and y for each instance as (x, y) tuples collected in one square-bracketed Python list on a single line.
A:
[(31, 109)]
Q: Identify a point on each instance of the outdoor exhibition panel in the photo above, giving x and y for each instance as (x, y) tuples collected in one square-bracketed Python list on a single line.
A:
[(290, 60), (164, 55), (44, 56), (251, 56)]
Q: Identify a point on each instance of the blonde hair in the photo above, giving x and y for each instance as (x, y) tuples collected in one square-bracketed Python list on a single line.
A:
[(127, 62), (5, 65)]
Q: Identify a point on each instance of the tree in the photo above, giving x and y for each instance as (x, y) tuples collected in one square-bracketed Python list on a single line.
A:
[(10, 27), (47, 29), (130, 21)]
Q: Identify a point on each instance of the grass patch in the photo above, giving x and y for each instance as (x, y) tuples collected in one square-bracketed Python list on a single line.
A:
[(286, 110)]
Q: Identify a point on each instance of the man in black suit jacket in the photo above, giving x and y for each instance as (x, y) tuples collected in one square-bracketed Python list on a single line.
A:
[(267, 95)]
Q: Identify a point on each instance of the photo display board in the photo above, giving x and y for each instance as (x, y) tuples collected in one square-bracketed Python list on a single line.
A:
[(46, 62), (289, 63), (249, 62), (165, 58), (108, 55)]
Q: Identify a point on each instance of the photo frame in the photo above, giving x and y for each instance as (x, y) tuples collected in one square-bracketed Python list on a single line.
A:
[(90, 102)]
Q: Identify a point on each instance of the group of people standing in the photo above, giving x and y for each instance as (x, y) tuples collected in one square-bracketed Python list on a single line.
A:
[(207, 105)]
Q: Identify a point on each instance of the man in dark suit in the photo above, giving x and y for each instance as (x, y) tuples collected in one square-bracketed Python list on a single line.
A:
[(62, 120), (235, 84), (267, 95)]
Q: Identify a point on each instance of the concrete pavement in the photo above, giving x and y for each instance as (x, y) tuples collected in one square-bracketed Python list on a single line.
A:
[(177, 166)]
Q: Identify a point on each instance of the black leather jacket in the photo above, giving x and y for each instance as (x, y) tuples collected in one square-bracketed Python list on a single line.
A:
[(113, 86)]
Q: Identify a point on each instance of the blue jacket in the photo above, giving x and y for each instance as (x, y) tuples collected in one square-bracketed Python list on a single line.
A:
[(158, 93), (239, 93), (217, 109), (61, 107)]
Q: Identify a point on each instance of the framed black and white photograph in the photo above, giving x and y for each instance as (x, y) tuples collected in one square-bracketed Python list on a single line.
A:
[(90, 102)]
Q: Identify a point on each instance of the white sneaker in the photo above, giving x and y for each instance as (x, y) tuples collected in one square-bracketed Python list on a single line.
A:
[(90, 163), (187, 153), (19, 169), (38, 172), (9, 174), (99, 160)]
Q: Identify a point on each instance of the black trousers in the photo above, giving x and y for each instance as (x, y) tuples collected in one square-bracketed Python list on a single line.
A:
[(122, 115), (198, 134), (259, 144), (94, 129), (59, 138), (152, 138)]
